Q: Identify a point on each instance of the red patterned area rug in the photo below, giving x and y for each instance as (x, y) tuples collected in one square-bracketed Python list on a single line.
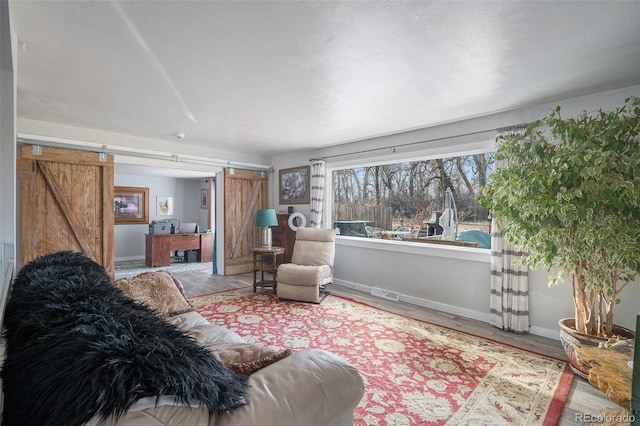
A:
[(415, 372)]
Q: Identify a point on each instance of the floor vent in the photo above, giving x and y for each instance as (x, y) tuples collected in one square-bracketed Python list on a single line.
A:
[(386, 294)]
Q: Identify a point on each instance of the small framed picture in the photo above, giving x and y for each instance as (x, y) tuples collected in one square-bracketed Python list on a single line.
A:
[(130, 205), (164, 206), (295, 185), (204, 198)]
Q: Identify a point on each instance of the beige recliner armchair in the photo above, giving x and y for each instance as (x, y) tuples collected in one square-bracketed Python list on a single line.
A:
[(311, 266)]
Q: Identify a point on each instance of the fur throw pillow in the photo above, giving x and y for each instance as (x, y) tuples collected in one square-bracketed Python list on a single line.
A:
[(77, 348), (159, 290), (246, 358)]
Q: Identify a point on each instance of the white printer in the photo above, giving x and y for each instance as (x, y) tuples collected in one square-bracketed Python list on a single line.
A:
[(160, 227)]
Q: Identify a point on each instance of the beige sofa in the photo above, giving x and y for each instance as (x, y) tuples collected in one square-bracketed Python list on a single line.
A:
[(309, 387), (87, 345)]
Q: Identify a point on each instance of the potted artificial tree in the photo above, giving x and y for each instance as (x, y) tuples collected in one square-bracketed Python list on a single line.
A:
[(569, 195)]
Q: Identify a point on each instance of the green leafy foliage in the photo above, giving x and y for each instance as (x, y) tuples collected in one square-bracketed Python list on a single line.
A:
[(569, 195)]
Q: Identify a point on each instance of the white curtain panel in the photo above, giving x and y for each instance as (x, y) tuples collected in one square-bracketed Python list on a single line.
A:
[(318, 175), (509, 300)]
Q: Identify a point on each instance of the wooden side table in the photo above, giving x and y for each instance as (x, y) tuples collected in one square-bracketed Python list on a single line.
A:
[(265, 259)]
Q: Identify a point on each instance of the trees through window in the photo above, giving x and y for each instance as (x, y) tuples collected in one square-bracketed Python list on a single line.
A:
[(407, 200)]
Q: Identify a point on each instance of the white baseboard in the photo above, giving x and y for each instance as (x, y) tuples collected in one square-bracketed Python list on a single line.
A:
[(545, 332), (443, 307), (122, 259)]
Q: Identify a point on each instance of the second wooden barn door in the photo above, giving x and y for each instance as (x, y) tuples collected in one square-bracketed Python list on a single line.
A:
[(67, 204), (244, 193)]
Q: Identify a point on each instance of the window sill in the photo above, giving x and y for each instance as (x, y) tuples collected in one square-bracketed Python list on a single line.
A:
[(424, 249)]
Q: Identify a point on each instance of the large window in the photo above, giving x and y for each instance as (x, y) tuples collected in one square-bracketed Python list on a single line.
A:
[(408, 201)]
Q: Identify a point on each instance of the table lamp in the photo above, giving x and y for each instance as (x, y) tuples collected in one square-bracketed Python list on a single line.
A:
[(266, 218)]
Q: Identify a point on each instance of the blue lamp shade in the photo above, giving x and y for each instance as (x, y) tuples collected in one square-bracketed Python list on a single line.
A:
[(266, 217)]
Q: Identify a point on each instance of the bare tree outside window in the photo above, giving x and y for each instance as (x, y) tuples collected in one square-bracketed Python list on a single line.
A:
[(412, 194)]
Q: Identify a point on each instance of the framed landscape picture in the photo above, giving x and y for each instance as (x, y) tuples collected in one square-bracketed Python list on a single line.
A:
[(130, 205), (295, 185)]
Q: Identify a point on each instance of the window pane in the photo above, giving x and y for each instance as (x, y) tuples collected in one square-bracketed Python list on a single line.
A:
[(407, 200)]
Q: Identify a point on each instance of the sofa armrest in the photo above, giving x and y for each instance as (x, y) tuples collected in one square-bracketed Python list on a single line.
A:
[(168, 412), (311, 386)]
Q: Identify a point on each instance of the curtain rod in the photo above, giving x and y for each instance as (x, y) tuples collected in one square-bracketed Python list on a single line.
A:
[(167, 157), (514, 127), (393, 147)]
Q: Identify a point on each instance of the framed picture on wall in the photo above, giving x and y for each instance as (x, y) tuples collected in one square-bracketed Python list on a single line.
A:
[(204, 198), (164, 206), (295, 185), (130, 205)]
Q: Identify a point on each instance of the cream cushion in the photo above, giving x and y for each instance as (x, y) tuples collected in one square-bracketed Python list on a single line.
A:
[(314, 246), (303, 274)]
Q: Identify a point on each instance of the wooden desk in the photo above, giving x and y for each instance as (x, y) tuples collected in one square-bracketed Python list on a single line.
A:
[(268, 262), (158, 247)]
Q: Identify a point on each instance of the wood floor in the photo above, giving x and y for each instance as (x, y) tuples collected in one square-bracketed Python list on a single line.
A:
[(583, 398)]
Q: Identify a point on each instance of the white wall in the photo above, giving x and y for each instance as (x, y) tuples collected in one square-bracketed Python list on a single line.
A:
[(129, 239), (429, 276), (7, 151), (454, 284)]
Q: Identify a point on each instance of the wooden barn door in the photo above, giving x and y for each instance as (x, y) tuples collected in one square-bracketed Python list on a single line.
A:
[(244, 193), (67, 204)]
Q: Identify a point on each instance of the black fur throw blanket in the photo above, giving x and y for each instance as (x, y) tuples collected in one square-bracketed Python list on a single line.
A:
[(77, 348)]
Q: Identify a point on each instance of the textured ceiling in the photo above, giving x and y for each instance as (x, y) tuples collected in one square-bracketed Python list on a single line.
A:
[(274, 76)]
